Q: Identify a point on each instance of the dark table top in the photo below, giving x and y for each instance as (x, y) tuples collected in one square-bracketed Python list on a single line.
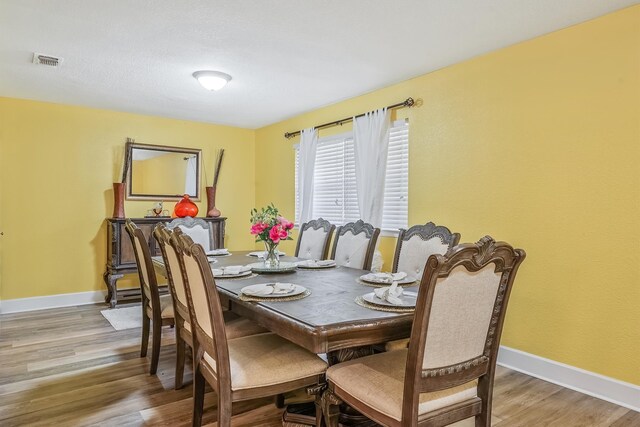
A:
[(327, 320)]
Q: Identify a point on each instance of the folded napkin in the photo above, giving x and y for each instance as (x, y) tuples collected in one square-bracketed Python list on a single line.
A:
[(390, 294), (316, 263), (214, 252), (269, 289), (388, 277), (231, 270)]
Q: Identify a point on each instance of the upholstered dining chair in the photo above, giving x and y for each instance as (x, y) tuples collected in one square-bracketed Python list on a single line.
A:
[(314, 239), (446, 375), (197, 228), (237, 369), (355, 244), (413, 249), (236, 326), (157, 310)]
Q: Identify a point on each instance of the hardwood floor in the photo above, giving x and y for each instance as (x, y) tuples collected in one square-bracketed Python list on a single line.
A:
[(69, 367)]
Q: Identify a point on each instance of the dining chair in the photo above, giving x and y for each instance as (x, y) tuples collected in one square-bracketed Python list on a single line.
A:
[(237, 369), (314, 239), (447, 373), (236, 326), (355, 244), (157, 310), (413, 249), (197, 228)]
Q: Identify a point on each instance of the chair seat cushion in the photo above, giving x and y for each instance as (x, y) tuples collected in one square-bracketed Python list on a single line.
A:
[(166, 307), (378, 382), (268, 359)]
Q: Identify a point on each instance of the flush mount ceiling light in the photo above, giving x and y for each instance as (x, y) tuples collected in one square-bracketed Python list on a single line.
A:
[(212, 80)]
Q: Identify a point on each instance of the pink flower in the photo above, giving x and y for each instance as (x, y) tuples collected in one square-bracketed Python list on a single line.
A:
[(275, 234), (285, 223), (258, 228)]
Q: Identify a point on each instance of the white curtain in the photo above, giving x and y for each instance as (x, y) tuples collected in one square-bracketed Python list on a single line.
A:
[(190, 176), (371, 145), (306, 168)]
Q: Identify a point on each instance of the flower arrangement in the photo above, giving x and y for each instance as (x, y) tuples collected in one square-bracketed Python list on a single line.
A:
[(271, 228)]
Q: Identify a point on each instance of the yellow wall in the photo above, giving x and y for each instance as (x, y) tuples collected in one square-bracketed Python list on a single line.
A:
[(537, 144), (56, 172)]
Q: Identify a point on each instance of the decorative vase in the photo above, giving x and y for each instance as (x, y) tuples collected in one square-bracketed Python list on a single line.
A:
[(118, 200), (271, 259), (185, 207), (212, 211)]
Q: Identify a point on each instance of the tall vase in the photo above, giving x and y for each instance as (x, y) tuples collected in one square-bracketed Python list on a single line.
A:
[(271, 259), (118, 200), (212, 211)]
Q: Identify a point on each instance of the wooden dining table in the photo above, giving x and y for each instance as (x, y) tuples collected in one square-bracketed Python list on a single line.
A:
[(326, 321)]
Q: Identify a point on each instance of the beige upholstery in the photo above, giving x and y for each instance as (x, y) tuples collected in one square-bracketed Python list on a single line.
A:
[(378, 382), (267, 359), (460, 315), (312, 243), (415, 252), (166, 307), (176, 275), (351, 249), (143, 267), (198, 234), (236, 328), (198, 295)]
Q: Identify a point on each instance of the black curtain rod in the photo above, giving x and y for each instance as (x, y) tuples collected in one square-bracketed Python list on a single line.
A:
[(409, 102)]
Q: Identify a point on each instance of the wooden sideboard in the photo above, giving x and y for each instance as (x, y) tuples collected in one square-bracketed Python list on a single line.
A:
[(121, 259)]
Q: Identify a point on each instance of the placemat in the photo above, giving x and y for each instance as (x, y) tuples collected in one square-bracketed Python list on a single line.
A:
[(361, 302), (248, 276), (244, 297)]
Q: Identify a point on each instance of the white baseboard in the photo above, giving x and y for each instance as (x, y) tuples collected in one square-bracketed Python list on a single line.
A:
[(51, 301), (596, 385)]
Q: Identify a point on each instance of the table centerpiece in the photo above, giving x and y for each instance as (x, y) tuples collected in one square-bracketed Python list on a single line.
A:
[(271, 228)]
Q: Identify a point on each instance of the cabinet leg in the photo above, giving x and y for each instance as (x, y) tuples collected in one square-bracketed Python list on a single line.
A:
[(112, 290)]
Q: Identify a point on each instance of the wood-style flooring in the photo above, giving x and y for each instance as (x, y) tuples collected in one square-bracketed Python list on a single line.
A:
[(69, 367)]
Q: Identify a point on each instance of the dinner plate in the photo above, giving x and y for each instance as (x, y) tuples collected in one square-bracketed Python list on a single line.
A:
[(297, 290), (284, 267), (217, 253), (313, 264), (370, 278), (262, 254), (230, 276), (408, 300)]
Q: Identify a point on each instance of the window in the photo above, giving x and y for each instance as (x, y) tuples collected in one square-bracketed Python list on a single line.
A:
[(335, 197)]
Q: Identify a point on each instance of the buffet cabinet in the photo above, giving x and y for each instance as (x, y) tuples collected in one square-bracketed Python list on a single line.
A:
[(121, 259)]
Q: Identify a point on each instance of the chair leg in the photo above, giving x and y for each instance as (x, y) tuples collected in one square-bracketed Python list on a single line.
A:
[(279, 401), (331, 408), (224, 410), (180, 359), (155, 346), (198, 397), (145, 335)]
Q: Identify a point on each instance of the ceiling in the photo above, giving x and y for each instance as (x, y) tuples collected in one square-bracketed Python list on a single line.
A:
[(286, 57)]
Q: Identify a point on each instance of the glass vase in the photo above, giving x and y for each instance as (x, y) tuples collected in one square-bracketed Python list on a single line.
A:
[(271, 258)]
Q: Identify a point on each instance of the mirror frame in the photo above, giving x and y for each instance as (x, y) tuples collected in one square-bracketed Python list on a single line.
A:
[(187, 151)]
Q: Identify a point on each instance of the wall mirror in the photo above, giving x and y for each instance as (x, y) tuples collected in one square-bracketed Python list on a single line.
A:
[(163, 173)]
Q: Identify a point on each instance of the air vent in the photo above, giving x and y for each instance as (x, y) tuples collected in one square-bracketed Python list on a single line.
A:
[(51, 61)]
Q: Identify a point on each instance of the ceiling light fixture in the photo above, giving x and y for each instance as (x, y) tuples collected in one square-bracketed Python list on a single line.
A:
[(212, 80)]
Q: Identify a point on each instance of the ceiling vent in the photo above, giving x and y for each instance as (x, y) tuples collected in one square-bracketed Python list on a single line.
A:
[(51, 61)]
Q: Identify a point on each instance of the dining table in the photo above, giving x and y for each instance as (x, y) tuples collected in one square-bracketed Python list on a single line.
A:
[(326, 321)]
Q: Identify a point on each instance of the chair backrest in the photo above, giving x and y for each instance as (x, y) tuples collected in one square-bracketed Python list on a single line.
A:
[(197, 228), (355, 244), (146, 272), (418, 243), (205, 311), (172, 267), (457, 326), (314, 239)]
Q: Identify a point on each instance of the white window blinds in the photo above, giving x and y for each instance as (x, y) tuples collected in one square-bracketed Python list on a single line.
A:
[(335, 197)]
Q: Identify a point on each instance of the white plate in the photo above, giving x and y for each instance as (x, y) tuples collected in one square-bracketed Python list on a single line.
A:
[(370, 278), (262, 254), (229, 276), (312, 264), (284, 267), (408, 300), (297, 290), (217, 252)]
